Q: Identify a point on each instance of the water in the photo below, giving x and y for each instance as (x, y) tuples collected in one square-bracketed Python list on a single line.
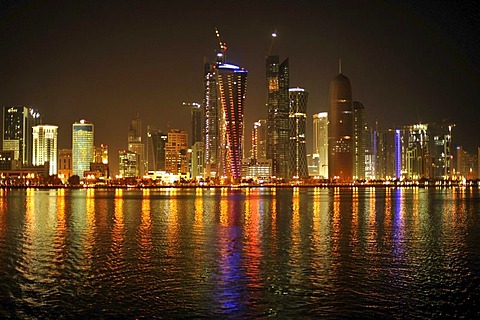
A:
[(248, 253)]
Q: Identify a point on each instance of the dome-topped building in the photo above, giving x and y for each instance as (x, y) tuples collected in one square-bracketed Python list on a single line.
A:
[(340, 162)]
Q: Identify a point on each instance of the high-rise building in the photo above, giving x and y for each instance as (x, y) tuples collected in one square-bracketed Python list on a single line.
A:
[(211, 118), (135, 143), (198, 158), (441, 150), (176, 150), (298, 123), (417, 154), (100, 154), (82, 147), (45, 147), (320, 142), (65, 163), (196, 122), (259, 141), (359, 139), (18, 122), (232, 83), (156, 141), (128, 164), (340, 160), (278, 83)]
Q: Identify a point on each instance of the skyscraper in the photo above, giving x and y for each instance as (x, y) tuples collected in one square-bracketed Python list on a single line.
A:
[(176, 149), (340, 160), (210, 104), (45, 147), (17, 132), (196, 122), (156, 141), (278, 82), (135, 143), (297, 124), (259, 141), (232, 84), (82, 147), (320, 142), (359, 140)]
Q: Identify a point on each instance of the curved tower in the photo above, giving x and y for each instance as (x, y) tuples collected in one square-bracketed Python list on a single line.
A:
[(340, 133), (232, 84)]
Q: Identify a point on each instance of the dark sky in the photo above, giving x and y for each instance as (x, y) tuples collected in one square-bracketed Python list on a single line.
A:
[(106, 61)]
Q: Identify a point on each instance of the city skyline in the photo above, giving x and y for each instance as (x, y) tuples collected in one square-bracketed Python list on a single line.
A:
[(406, 65)]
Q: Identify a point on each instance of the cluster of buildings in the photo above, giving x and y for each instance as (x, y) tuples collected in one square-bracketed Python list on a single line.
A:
[(345, 148)]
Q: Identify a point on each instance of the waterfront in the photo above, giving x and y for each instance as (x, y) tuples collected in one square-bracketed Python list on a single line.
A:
[(241, 253)]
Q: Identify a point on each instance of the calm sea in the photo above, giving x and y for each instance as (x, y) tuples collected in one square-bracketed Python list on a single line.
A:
[(246, 253)]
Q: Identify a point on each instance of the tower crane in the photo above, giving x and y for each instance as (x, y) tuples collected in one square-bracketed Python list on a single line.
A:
[(223, 48)]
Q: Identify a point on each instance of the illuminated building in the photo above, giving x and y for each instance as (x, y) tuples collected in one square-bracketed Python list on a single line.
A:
[(45, 147), (135, 143), (278, 83), (100, 154), (65, 163), (156, 141), (297, 124), (340, 160), (82, 147), (320, 142), (17, 132), (417, 153), (359, 137), (176, 152), (259, 141), (198, 158), (128, 164), (465, 164), (196, 122), (211, 117), (441, 150), (231, 82)]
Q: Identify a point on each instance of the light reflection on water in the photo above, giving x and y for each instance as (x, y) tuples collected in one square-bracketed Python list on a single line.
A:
[(340, 252)]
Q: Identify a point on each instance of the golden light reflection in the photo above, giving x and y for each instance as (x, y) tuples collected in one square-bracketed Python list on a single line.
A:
[(118, 236), (336, 221), (355, 227), (388, 208), (198, 205), (145, 241), (173, 225), (252, 233), (224, 207)]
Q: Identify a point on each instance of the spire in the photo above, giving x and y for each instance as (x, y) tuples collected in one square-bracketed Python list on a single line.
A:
[(339, 65)]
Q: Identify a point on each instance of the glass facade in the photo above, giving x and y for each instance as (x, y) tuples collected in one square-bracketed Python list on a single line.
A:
[(82, 147)]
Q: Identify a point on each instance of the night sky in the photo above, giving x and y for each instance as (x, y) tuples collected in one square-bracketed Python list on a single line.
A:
[(106, 61)]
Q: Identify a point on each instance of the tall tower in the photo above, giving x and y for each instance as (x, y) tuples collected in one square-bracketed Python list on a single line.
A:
[(196, 121), (45, 147), (17, 132), (340, 160), (156, 141), (232, 84), (298, 124), (211, 113), (320, 142), (359, 140), (278, 82), (135, 143), (176, 152), (82, 147)]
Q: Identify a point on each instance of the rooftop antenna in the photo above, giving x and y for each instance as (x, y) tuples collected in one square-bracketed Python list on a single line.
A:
[(274, 35), (339, 65)]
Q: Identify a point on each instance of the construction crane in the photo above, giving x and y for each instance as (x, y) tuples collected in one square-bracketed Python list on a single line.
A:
[(223, 48), (274, 35)]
